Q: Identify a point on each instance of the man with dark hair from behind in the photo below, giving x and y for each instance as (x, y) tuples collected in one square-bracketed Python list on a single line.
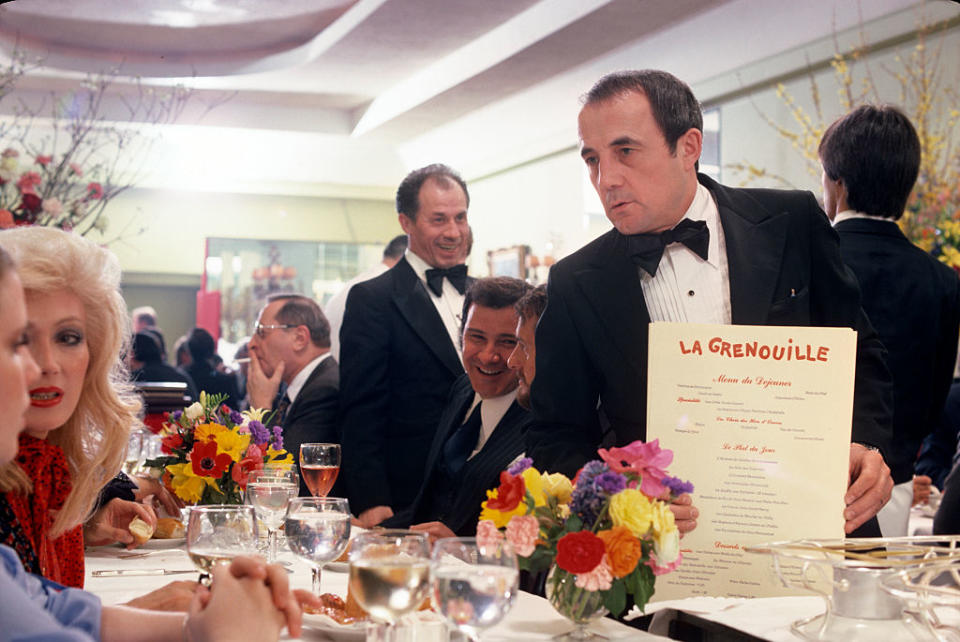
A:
[(202, 348), (292, 372), (399, 347), (335, 307), (685, 249), (482, 428), (871, 159)]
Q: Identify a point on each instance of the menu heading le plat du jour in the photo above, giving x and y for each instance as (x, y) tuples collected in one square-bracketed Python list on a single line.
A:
[(758, 418)]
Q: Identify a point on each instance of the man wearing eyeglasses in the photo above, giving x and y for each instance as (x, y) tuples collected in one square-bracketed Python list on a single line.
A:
[(292, 371)]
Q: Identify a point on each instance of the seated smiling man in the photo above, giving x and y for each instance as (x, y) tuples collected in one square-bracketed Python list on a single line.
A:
[(482, 428)]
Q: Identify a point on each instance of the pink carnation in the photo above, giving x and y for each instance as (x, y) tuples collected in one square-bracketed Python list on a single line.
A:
[(43, 160), (487, 534), (76, 169), (28, 181), (599, 579), (647, 460), (522, 533)]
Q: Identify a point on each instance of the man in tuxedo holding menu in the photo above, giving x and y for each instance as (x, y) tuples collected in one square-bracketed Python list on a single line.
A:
[(685, 249), (399, 348)]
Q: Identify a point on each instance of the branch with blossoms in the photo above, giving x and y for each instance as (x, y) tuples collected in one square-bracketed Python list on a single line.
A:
[(610, 529)]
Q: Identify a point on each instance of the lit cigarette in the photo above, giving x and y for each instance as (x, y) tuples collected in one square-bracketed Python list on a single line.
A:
[(242, 360)]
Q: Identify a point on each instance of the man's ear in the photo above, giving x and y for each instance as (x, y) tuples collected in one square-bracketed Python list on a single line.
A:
[(689, 147), (406, 223), (301, 337)]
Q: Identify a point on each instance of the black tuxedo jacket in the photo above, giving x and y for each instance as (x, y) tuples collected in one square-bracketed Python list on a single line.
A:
[(478, 475), (913, 301), (312, 417), (397, 365), (785, 269)]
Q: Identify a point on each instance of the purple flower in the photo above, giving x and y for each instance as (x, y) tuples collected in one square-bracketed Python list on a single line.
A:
[(586, 502), (590, 470), (520, 466), (277, 438), (259, 432), (236, 417), (610, 482), (677, 486), (175, 415)]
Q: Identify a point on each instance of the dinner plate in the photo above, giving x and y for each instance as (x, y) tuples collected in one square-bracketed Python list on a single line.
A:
[(337, 631)]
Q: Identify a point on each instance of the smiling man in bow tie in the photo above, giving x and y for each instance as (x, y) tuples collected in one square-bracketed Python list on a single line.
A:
[(399, 347), (685, 248)]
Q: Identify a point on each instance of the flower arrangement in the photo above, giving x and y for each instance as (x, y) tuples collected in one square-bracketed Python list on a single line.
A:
[(610, 530), (47, 192), (210, 451)]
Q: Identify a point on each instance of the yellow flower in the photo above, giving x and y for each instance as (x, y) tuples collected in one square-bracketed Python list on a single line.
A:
[(631, 508), (534, 482), (662, 519), (557, 485), (254, 414), (186, 485), (232, 443), (205, 432), (279, 456)]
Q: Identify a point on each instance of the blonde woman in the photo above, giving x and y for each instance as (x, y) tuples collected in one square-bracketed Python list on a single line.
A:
[(81, 406)]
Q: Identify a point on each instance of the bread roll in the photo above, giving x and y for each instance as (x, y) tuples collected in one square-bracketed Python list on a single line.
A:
[(141, 530), (169, 528)]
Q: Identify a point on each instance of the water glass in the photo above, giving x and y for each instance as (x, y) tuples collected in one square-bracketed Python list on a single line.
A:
[(317, 530), (389, 577), (270, 492), (216, 533), (319, 465), (474, 586)]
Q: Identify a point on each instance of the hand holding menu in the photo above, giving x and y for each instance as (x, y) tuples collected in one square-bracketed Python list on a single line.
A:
[(758, 418)]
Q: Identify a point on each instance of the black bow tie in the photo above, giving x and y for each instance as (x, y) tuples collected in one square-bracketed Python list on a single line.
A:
[(457, 275), (646, 250)]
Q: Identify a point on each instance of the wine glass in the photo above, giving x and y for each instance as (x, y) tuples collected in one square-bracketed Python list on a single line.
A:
[(131, 460), (474, 586), (319, 465), (317, 530), (269, 491), (216, 533), (389, 577)]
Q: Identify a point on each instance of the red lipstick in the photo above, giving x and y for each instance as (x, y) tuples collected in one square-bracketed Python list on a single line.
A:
[(45, 397)]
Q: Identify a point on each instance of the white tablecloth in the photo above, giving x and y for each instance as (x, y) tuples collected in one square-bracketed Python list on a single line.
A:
[(532, 617)]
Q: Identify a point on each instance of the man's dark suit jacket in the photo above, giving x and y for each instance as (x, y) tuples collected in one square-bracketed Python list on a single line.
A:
[(913, 301), (785, 269), (213, 382), (397, 364), (159, 371), (312, 417), (478, 475)]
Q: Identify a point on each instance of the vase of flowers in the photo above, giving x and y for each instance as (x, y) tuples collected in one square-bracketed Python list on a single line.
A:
[(210, 451), (605, 535)]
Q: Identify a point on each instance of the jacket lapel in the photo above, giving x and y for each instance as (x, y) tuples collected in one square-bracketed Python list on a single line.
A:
[(612, 286), (322, 367), (755, 238), (411, 298)]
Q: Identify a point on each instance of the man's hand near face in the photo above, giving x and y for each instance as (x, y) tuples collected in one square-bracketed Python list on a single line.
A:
[(261, 389)]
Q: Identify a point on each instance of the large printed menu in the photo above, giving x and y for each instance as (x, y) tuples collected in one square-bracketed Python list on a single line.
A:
[(758, 418)]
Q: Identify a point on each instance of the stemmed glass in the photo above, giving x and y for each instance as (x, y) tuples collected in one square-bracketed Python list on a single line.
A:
[(317, 530), (389, 577), (319, 465), (216, 533), (474, 586), (269, 491)]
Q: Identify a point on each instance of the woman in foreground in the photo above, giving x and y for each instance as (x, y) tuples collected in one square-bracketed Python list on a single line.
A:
[(34, 608), (81, 410)]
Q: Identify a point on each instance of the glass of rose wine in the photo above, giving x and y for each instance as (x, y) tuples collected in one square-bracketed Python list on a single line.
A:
[(319, 465), (218, 533), (389, 577)]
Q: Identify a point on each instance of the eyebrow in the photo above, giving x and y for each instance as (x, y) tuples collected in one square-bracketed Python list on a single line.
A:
[(618, 142)]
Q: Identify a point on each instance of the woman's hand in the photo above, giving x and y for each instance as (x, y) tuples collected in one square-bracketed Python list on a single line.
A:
[(111, 523), (147, 486)]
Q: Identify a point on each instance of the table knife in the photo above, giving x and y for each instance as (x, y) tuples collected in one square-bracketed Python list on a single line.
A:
[(127, 572)]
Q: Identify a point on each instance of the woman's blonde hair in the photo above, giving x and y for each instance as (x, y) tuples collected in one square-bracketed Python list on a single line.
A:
[(95, 436)]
